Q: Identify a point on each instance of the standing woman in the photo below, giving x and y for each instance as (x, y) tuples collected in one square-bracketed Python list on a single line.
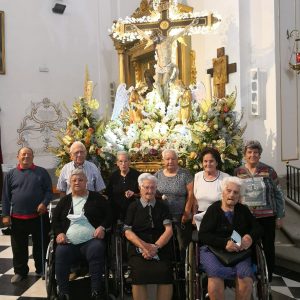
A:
[(263, 196), (122, 186), (176, 186), (207, 183)]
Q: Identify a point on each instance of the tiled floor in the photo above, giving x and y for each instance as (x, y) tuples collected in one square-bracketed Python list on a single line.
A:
[(284, 286)]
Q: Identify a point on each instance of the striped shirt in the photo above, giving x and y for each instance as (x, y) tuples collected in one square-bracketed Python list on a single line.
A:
[(95, 181)]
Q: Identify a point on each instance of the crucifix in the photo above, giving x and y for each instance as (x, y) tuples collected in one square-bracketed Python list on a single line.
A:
[(166, 69), (165, 24), (220, 72)]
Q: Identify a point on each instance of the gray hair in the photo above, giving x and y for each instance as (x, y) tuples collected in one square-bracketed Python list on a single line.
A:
[(79, 172), (166, 151), (237, 181), (123, 153), (253, 144), (146, 176), (77, 143)]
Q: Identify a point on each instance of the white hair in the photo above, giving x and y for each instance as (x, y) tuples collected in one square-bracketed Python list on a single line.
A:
[(78, 172), (166, 151), (77, 143), (122, 153), (232, 179), (146, 176)]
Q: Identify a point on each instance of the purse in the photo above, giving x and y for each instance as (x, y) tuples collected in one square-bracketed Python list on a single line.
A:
[(230, 259)]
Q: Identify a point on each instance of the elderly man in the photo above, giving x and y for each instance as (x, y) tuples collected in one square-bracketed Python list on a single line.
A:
[(27, 191), (78, 157)]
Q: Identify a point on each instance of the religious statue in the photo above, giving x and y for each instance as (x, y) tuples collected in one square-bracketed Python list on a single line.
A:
[(135, 107), (166, 71), (185, 103), (121, 100)]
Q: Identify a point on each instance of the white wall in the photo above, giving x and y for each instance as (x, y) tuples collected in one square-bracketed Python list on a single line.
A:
[(66, 43), (248, 33), (34, 37)]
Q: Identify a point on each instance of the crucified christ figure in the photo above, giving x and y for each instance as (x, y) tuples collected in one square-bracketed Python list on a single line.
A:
[(166, 71)]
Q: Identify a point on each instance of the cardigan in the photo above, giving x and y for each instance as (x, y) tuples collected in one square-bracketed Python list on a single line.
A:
[(96, 209), (216, 230)]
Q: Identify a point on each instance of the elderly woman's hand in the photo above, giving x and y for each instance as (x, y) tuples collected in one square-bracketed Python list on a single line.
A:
[(231, 246), (149, 250), (246, 242), (99, 233), (61, 238)]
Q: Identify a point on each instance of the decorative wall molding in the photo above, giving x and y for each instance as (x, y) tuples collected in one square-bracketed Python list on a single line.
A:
[(39, 128)]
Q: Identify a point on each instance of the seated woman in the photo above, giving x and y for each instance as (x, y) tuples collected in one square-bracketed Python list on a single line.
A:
[(79, 223), (218, 224), (148, 228)]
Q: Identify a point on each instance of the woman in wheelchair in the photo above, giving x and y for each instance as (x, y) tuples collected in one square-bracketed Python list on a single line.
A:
[(79, 223), (224, 220), (148, 228)]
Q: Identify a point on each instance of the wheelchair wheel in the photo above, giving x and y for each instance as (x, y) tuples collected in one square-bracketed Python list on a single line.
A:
[(51, 286), (263, 285), (116, 265)]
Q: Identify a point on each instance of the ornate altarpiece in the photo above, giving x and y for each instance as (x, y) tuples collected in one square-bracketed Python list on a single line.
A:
[(134, 59)]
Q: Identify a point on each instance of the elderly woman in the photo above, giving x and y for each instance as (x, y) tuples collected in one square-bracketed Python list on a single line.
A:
[(148, 228), (222, 218), (79, 223), (263, 196), (176, 186), (122, 186)]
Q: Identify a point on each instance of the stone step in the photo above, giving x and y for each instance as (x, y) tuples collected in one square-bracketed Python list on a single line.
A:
[(287, 253), (291, 222), (287, 245)]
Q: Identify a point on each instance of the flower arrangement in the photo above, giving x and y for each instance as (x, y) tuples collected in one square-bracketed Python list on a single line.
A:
[(83, 125), (212, 123)]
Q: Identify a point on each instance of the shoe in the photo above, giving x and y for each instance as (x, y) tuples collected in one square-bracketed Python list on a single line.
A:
[(63, 297), (17, 278), (39, 274), (96, 295)]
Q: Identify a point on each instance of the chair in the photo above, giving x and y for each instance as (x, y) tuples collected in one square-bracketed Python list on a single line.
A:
[(196, 279)]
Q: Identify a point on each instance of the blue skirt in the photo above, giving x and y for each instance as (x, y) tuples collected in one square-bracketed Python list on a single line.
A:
[(214, 268)]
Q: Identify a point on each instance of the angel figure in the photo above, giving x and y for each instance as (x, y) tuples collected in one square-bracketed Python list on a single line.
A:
[(165, 69), (185, 103), (121, 100), (135, 107)]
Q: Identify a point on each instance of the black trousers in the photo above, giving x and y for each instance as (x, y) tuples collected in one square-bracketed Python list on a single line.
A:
[(20, 230), (268, 241)]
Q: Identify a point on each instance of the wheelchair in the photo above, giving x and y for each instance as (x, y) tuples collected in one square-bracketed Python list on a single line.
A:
[(119, 271), (81, 268), (196, 279)]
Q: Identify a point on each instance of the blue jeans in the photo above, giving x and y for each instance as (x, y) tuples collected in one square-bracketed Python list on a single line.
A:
[(67, 254)]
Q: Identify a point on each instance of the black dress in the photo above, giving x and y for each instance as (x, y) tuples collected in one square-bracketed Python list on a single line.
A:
[(149, 229), (116, 189)]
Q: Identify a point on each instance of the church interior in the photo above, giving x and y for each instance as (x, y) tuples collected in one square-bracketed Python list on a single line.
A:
[(149, 75)]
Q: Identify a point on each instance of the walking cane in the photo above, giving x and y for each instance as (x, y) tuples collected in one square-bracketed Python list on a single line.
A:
[(42, 236)]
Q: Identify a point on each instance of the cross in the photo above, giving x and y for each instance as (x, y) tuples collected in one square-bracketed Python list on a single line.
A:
[(164, 24), (220, 72)]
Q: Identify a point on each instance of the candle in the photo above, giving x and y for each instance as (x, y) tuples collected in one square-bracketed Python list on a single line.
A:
[(208, 86), (298, 58)]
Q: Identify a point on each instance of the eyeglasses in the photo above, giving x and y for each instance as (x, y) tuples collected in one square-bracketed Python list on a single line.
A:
[(150, 187)]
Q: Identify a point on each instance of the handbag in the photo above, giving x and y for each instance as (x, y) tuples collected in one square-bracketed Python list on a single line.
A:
[(230, 259)]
